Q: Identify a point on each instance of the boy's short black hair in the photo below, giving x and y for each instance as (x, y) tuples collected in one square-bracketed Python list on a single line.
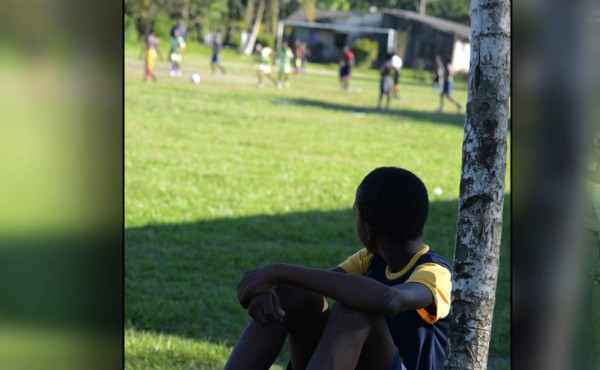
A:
[(394, 202)]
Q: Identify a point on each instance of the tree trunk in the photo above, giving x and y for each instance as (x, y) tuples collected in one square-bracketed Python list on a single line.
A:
[(144, 22), (309, 9), (248, 14), (254, 34), (240, 8), (274, 16), (185, 11), (422, 7), (477, 250)]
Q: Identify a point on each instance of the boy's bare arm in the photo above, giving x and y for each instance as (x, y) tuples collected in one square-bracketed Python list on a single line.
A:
[(265, 309), (357, 292)]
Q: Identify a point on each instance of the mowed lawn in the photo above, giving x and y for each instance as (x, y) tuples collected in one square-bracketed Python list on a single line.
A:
[(222, 177)]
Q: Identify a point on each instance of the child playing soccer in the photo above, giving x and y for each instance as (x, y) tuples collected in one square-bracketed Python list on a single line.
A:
[(392, 297), (284, 58), (346, 62), (262, 56), (152, 46), (448, 84), (396, 63), (176, 55), (215, 60), (385, 84)]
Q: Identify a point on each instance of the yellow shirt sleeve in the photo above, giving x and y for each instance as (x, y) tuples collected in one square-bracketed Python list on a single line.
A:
[(439, 281), (358, 263)]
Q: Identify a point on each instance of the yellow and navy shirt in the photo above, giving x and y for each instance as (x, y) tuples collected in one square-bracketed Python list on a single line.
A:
[(421, 335)]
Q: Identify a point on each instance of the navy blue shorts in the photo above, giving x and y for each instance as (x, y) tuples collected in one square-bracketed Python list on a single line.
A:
[(344, 71), (448, 87), (396, 363)]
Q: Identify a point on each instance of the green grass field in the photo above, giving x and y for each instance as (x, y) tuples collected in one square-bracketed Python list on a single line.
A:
[(222, 177)]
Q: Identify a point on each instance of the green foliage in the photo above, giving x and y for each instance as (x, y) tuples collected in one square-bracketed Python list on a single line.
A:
[(235, 38), (461, 76), (131, 33), (334, 4), (216, 17), (195, 34), (266, 39), (162, 24), (363, 5), (365, 51), (454, 10)]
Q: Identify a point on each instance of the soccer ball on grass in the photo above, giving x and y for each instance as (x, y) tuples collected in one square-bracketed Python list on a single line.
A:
[(195, 78)]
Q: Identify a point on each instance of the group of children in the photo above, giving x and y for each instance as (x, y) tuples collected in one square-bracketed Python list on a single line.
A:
[(443, 80), (152, 50), (389, 74), (390, 79), (287, 60), (284, 58)]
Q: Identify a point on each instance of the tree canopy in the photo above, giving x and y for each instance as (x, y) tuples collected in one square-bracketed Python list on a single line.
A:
[(211, 15)]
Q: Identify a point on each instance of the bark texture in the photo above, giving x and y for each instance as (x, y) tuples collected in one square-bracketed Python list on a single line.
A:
[(255, 28), (274, 13), (248, 14), (310, 9), (477, 249)]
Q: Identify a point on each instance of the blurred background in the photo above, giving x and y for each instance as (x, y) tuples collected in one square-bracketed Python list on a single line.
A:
[(556, 253), (61, 176)]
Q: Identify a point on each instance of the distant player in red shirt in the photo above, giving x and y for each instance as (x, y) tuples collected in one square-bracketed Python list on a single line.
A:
[(346, 63)]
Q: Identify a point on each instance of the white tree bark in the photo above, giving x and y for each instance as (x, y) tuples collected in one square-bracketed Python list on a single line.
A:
[(255, 28), (476, 258), (422, 7)]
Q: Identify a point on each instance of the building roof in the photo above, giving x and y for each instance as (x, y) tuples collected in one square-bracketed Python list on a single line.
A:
[(320, 14), (444, 25), (434, 22)]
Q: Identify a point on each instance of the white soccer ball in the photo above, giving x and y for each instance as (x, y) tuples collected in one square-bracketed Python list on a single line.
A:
[(396, 62), (195, 78)]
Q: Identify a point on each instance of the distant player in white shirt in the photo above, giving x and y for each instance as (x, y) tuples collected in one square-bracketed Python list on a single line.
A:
[(396, 64), (263, 58)]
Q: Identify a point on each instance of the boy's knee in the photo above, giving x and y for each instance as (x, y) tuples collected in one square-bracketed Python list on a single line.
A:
[(293, 299), (350, 315)]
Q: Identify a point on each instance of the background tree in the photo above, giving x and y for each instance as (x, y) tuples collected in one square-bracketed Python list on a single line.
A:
[(239, 15), (274, 15), (249, 14), (255, 28), (310, 9), (454, 10), (477, 249)]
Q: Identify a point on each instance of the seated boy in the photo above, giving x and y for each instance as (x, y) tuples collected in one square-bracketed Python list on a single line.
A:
[(392, 297)]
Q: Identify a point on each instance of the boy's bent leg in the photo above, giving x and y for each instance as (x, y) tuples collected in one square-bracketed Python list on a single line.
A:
[(306, 315), (305, 319), (257, 347), (354, 339)]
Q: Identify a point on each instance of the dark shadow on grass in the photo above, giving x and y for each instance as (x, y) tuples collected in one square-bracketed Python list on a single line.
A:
[(181, 278), (406, 81), (435, 117)]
